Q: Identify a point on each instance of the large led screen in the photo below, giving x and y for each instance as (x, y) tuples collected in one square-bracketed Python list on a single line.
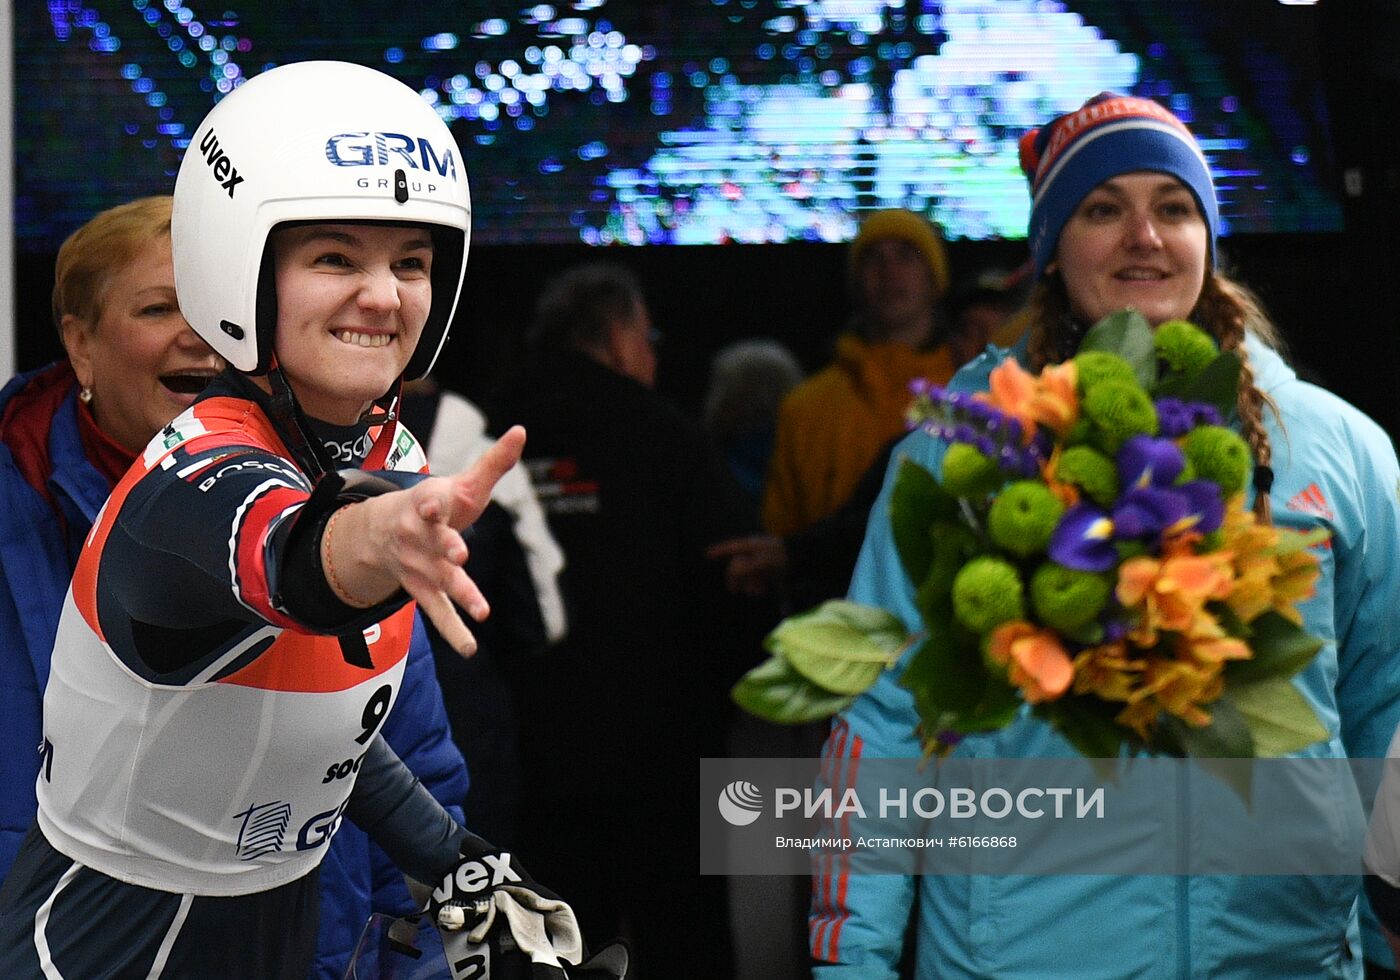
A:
[(692, 121)]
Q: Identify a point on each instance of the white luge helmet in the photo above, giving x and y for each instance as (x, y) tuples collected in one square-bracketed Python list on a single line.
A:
[(314, 141)]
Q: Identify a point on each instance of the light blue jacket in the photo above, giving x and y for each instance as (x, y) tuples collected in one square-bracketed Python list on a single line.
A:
[(1334, 467)]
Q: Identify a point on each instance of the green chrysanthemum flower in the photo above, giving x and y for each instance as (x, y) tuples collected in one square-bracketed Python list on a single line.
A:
[(1097, 366), (1080, 433), (1119, 411), (967, 472), (1066, 599), (986, 593), (1185, 346), (1023, 517), (1091, 471), (1219, 454)]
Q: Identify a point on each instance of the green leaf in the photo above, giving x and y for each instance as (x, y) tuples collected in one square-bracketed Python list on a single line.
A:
[(1229, 621), (947, 681), (1087, 723), (1127, 334), (1237, 774), (916, 502), (1218, 384), (1279, 716), (1227, 736), (775, 692), (952, 545), (1281, 649), (995, 709), (841, 646)]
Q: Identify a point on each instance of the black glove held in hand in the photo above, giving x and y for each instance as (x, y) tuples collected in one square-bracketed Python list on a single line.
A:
[(489, 902), (468, 885)]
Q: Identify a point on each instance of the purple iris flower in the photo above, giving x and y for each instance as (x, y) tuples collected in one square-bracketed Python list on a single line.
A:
[(1147, 462), (1083, 540), (1205, 502), (1145, 512)]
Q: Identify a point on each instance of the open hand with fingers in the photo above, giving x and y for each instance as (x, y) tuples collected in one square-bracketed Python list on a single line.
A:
[(411, 540)]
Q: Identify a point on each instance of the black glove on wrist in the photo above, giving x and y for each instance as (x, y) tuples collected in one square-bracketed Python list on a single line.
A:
[(480, 870), (488, 900)]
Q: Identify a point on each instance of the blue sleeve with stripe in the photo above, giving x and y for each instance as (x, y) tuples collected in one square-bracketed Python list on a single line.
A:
[(857, 924)]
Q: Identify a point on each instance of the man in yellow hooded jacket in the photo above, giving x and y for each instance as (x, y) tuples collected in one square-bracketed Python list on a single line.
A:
[(834, 425)]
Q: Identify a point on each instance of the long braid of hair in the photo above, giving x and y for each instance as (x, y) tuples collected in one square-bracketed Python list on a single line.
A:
[(1227, 310)]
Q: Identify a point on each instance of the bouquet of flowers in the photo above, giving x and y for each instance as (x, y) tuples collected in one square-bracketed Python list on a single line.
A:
[(1087, 556)]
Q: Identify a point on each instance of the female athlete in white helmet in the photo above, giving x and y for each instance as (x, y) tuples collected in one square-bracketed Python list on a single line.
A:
[(237, 625)]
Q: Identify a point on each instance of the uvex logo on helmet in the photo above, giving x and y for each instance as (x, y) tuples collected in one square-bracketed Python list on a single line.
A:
[(217, 161), (376, 149)]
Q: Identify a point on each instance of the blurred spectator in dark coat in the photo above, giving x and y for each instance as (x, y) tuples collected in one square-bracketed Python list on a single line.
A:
[(613, 721)]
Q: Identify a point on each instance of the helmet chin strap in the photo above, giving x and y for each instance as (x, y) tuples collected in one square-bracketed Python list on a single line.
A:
[(385, 408), (307, 450), (292, 425), (387, 418)]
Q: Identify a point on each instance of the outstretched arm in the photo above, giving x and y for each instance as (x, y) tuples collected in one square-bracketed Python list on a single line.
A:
[(411, 540)]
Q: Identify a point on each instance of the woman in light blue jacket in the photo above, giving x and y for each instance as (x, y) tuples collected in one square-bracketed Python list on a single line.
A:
[(1125, 215)]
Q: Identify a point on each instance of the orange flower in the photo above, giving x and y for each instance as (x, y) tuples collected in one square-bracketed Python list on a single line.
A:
[(1216, 650), (1047, 399), (1296, 581), (1253, 593), (1171, 594), (1181, 688), (1136, 577), (1273, 568), (1055, 404), (1034, 658), (1012, 388), (1106, 671), (1140, 716)]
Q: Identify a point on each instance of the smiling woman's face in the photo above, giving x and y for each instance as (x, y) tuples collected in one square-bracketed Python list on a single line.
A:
[(352, 301), (140, 358), (1136, 240)]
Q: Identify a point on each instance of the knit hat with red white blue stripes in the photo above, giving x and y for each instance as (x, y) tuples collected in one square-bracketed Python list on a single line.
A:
[(1110, 135)]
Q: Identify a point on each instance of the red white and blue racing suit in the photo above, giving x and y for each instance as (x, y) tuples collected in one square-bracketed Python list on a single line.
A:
[(212, 713)]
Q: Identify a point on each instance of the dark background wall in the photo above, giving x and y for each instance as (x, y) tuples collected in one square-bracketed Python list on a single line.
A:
[(1335, 296)]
